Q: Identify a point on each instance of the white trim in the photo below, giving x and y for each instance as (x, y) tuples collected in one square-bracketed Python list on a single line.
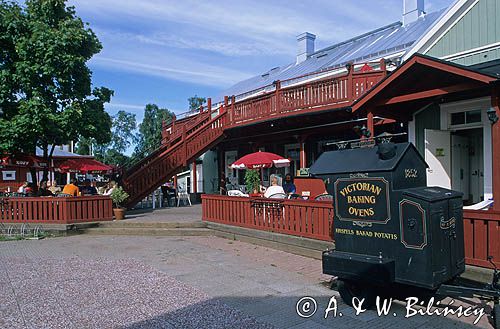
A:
[(482, 104), (478, 50), (440, 24)]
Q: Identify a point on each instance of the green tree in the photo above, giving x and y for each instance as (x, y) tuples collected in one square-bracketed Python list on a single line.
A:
[(195, 102), (123, 132), (149, 137), (46, 93), (122, 137)]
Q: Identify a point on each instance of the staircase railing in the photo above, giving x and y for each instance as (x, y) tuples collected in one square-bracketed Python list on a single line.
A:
[(185, 139), (157, 168)]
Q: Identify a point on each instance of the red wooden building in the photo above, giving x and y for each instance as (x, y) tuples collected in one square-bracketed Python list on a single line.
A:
[(375, 82)]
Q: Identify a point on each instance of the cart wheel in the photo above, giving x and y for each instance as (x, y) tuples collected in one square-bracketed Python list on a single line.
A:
[(496, 316), (348, 290)]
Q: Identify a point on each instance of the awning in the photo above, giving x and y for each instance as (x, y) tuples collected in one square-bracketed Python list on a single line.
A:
[(84, 165), (23, 160), (420, 81)]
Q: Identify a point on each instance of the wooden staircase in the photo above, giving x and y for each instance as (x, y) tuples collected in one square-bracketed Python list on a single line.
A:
[(185, 139), (182, 142)]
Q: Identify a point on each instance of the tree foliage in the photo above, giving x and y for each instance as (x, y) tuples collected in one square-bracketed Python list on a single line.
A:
[(123, 136), (195, 102), (46, 94), (150, 129)]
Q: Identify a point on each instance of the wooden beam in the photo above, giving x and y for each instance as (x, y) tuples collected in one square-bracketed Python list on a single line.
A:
[(429, 93), (495, 147)]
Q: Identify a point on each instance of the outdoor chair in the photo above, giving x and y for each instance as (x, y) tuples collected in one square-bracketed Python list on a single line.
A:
[(236, 193), (278, 196), (63, 195), (323, 197), (295, 196), (184, 197)]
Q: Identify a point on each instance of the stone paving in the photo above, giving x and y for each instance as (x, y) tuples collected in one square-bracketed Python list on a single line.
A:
[(183, 214), (172, 282)]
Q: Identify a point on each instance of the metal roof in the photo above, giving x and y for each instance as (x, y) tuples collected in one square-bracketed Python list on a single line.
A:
[(61, 153), (384, 42)]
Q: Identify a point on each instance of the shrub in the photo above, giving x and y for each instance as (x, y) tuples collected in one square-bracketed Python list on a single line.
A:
[(118, 196)]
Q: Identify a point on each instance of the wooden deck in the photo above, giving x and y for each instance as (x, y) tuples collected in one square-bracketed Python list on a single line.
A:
[(56, 210), (314, 219)]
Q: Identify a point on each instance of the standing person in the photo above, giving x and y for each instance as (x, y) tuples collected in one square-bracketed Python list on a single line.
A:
[(289, 186), (43, 190), (71, 188), (274, 188), (222, 184)]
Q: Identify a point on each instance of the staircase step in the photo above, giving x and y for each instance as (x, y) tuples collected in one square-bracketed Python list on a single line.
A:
[(155, 225), (149, 231)]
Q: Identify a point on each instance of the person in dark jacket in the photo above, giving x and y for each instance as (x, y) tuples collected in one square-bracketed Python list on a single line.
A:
[(289, 186), (43, 190)]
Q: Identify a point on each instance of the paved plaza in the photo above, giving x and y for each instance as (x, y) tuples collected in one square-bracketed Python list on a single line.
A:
[(172, 282)]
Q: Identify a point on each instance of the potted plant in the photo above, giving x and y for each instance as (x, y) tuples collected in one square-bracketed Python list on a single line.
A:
[(252, 181), (118, 196)]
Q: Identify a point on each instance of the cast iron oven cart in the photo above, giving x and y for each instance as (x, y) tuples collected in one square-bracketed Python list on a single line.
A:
[(394, 235)]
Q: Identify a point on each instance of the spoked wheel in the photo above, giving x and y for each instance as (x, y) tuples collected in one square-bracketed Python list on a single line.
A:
[(348, 290)]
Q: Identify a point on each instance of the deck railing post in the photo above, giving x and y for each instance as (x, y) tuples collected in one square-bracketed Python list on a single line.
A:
[(233, 100), (383, 66), (278, 96), (226, 101), (350, 81), (209, 108), (184, 145)]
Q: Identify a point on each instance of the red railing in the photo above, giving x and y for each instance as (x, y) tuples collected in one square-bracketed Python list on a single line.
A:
[(327, 93), (55, 210), (188, 137), (313, 219), (482, 237), (159, 167), (309, 219)]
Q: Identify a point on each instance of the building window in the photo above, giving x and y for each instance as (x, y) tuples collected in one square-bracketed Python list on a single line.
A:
[(464, 118), (8, 175)]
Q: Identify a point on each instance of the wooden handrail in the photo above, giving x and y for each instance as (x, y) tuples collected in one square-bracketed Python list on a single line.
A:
[(56, 210)]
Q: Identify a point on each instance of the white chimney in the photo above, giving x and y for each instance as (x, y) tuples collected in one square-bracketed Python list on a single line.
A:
[(305, 43), (412, 10)]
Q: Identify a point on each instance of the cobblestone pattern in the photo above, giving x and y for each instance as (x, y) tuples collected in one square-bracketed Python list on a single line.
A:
[(263, 283)]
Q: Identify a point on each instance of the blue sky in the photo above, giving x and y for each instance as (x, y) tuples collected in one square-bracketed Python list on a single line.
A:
[(165, 51)]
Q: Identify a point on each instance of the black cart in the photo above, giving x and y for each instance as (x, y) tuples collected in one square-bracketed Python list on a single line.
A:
[(393, 234)]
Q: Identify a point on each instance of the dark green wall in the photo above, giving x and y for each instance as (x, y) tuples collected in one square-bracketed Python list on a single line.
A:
[(429, 118)]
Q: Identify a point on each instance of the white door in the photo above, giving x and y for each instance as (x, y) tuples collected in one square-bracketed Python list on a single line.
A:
[(438, 157), (460, 169)]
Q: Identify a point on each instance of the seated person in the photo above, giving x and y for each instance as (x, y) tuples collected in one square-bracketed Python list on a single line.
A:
[(53, 187), (71, 188), (274, 188), (43, 190), (87, 189), (110, 188), (22, 188), (289, 186), (29, 190)]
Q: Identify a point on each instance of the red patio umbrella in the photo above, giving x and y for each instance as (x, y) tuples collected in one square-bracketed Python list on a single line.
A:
[(83, 165), (259, 160)]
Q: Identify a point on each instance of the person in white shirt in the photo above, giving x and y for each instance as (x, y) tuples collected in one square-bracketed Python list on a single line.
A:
[(274, 188)]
